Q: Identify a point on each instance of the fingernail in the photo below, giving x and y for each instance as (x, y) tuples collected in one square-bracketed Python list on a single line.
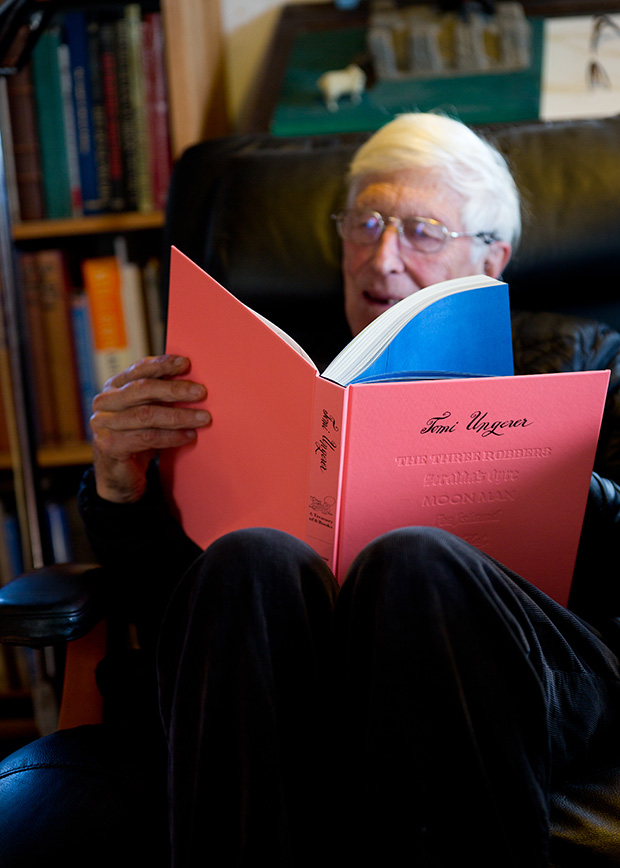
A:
[(202, 417)]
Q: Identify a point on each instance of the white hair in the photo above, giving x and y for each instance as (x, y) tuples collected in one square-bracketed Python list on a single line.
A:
[(470, 165)]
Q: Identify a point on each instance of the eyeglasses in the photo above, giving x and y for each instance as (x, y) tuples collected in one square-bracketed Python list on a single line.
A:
[(422, 234)]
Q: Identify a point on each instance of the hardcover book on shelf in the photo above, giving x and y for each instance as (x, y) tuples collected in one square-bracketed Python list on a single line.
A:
[(118, 314), (51, 125), (71, 131), (490, 458), (40, 372), (100, 133), (25, 136), (85, 356), (156, 101), (102, 284), (126, 118), (107, 62), (138, 107), (76, 36), (54, 296)]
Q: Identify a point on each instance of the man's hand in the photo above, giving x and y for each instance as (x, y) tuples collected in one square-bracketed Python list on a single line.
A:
[(134, 417)]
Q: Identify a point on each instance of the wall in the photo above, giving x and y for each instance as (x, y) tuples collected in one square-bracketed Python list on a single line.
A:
[(248, 26)]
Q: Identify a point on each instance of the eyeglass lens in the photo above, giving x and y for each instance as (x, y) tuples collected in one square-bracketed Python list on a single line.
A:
[(367, 227)]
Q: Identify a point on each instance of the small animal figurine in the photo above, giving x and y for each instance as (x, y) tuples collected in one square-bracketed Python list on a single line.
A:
[(337, 83)]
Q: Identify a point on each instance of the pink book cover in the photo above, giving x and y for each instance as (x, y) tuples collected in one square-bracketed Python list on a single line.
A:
[(503, 462), (249, 468)]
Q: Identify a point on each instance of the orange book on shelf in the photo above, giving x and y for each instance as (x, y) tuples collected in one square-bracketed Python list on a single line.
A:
[(503, 461), (54, 297), (103, 286)]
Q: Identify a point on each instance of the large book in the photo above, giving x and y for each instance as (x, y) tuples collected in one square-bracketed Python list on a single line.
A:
[(51, 124), (55, 299), (502, 461)]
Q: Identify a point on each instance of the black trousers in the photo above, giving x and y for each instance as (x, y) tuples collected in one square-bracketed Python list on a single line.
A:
[(420, 716)]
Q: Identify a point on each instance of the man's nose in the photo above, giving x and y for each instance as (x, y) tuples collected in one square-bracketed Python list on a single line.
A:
[(387, 257)]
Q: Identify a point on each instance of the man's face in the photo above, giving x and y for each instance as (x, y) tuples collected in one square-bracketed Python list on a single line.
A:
[(378, 275)]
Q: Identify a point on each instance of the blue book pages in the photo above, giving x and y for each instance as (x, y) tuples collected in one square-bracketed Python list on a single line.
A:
[(76, 36), (467, 332)]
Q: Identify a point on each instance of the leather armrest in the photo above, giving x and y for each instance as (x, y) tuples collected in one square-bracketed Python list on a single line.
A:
[(51, 605)]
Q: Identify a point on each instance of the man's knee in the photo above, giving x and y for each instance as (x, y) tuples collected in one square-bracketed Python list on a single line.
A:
[(259, 557)]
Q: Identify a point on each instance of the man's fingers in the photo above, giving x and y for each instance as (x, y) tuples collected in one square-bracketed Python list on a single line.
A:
[(151, 367), (149, 416)]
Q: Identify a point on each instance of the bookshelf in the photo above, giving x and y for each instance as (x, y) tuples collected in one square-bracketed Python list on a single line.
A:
[(192, 60), (192, 55)]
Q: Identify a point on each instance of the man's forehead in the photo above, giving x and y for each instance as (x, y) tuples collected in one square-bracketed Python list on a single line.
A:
[(407, 189)]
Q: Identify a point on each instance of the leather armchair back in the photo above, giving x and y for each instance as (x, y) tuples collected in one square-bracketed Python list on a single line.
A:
[(254, 211)]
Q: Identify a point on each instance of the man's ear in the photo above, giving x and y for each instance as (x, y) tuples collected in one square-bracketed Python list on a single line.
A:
[(497, 257)]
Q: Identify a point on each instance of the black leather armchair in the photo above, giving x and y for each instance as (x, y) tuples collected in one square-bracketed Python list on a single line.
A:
[(254, 211)]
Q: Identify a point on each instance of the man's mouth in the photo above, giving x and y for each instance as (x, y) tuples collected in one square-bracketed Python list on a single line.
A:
[(381, 300)]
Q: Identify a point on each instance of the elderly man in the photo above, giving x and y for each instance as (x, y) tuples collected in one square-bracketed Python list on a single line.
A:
[(425, 713)]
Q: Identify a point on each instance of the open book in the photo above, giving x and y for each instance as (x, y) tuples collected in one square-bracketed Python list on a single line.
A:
[(504, 462)]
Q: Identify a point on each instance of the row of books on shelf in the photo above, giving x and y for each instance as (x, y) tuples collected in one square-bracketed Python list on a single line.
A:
[(80, 335), (87, 117)]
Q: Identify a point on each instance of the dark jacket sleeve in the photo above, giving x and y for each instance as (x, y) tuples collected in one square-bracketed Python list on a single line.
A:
[(595, 593), (553, 342), (143, 548)]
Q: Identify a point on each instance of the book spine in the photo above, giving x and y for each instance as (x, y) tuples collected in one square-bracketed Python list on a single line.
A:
[(135, 75), (75, 184), (154, 310), (325, 452), (156, 100), (134, 310), (102, 283), (125, 114), (48, 94), (100, 135), (26, 144), (85, 355), (54, 290), (77, 39), (38, 357), (107, 62)]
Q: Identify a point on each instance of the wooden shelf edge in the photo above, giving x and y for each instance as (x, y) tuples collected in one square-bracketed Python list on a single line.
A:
[(97, 224), (56, 456)]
